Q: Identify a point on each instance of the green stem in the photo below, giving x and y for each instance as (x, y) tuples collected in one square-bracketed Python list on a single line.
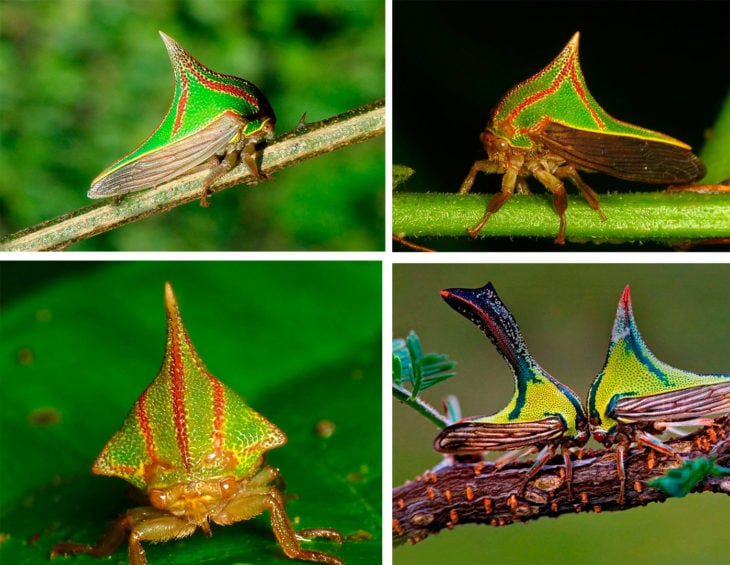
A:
[(650, 216), (298, 145), (419, 406)]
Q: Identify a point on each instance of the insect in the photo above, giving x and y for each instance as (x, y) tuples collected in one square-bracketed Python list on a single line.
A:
[(543, 413), (636, 395), (550, 126), (197, 451), (214, 119)]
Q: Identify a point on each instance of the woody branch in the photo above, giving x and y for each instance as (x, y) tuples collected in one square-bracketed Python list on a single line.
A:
[(305, 142), (476, 493)]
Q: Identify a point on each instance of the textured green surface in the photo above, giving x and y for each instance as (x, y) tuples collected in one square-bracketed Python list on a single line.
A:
[(201, 96), (639, 217), (560, 93), (631, 369), (84, 82), (299, 341), (565, 313)]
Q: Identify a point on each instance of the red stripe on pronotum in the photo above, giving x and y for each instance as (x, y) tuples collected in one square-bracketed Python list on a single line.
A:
[(177, 397), (144, 425), (537, 96), (182, 103), (219, 407), (219, 86), (582, 94)]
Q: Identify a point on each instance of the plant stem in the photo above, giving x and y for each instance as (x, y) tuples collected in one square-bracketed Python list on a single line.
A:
[(478, 493), (419, 406), (298, 145), (649, 216)]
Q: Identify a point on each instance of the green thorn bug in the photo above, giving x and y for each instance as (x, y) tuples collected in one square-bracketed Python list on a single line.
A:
[(635, 395), (214, 120), (194, 448), (550, 126), (543, 412)]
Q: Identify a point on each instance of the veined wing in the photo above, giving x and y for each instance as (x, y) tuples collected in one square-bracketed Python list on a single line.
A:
[(477, 437), (676, 405), (622, 156), (168, 162)]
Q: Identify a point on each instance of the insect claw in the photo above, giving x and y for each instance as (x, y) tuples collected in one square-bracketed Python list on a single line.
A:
[(473, 232)]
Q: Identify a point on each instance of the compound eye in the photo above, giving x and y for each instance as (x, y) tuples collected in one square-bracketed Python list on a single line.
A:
[(500, 144), (228, 486), (158, 498)]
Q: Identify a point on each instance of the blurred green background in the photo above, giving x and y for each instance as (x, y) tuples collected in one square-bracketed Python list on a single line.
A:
[(300, 342), (84, 82), (565, 313)]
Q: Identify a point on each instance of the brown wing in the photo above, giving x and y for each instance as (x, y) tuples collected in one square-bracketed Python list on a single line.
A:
[(169, 162), (677, 405), (477, 437), (624, 157)]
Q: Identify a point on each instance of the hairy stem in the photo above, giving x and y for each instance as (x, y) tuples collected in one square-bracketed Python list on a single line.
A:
[(477, 493), (650, 216), (302, 143)]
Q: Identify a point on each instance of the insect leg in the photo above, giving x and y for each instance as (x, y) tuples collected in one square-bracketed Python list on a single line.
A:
[(560, 199), (513, 455), (247, 153), (485, 166), (139, 523), (568, 471), (156, 529), (274, 502), (508, 188), (569, 172), (545, 454), (264, 492), (656, 444), (620, 470), (226, 164)]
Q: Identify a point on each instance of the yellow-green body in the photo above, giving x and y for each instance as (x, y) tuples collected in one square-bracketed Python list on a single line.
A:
[(542, 410), (635, 386), (559, 93), (186, 425)]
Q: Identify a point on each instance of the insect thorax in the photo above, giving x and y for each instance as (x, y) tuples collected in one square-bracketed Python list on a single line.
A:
[(501, 151), (194, 500)]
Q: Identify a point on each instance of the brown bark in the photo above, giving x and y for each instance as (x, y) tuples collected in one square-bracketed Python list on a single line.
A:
[(475, 492)]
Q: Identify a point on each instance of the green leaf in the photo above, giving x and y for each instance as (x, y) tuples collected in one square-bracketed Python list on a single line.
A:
[(421, 371), (401, 174), (680, 482), (299, 341)]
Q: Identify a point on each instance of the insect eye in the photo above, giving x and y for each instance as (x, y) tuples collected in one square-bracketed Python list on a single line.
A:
[(158, 498), (228, 486)]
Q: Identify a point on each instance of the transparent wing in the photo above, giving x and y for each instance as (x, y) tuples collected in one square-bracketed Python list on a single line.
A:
[(168, 162), (476, 437), (676, 405), (625, 157)]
